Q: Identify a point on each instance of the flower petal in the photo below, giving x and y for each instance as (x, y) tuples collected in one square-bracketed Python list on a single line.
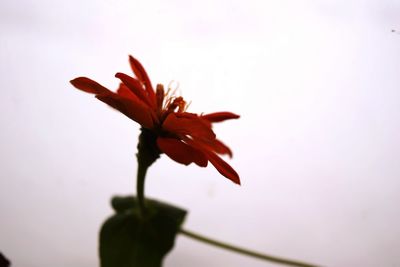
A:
[(181, 152), (221, 148), (130, 107), (222, 167), (194, 127), (187, 115), (124, 91), (141, 74), (89, 86), (214, 145), (135, 86), (220, 116)]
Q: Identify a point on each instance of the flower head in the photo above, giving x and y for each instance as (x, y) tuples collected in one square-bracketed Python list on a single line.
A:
[(184, 137)]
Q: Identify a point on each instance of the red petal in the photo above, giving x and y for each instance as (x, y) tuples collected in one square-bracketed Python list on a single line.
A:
[(124, 91), (187, 115), (194, 127), (135, 86), (141, 74), (222, 167), (133, 109), (181, 152), (89, 86), (220, 116), (221, 148), (214, 145)]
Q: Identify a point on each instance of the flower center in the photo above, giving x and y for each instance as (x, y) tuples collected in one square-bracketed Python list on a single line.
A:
[(169, 101)]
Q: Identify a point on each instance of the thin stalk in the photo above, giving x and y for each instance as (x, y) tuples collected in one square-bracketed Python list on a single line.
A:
[(245, 251), (148, 152), (141, 175)]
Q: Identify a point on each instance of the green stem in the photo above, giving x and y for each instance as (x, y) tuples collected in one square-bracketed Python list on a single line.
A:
[(148, 152), (141, 175), (245, 251)]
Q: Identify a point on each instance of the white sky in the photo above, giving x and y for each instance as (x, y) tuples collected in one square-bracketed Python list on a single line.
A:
[(317, 147)]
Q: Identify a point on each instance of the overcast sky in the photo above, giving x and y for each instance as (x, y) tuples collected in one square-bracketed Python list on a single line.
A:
[(317, 146)]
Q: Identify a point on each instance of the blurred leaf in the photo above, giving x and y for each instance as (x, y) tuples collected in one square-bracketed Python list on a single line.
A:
[(127, 240), (3, 261)]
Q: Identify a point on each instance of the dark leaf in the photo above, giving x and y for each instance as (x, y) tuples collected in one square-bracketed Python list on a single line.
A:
[(128, 240), (3, 261)]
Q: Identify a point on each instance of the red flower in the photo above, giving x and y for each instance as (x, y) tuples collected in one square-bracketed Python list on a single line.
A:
[(184, 137)]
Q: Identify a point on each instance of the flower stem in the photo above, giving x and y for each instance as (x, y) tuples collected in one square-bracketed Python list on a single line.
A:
[(141, 175), (148, 153), (245, 251)]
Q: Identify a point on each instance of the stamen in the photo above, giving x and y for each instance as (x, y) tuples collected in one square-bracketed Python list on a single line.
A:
[(181, 105), (178, 102), (172, 101), (187, 106), (176, 87), (160, 96)]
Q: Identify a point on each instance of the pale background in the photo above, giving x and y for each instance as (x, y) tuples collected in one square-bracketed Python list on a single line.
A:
[(317, 146)]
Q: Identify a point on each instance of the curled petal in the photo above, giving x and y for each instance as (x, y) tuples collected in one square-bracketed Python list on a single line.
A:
[(222, 167), (220, 116), (221, 148), (181, 152), (194, 127), (135, 86), (133, 109), (141, 74), (124, 91), (214, 145), (89, 86)]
